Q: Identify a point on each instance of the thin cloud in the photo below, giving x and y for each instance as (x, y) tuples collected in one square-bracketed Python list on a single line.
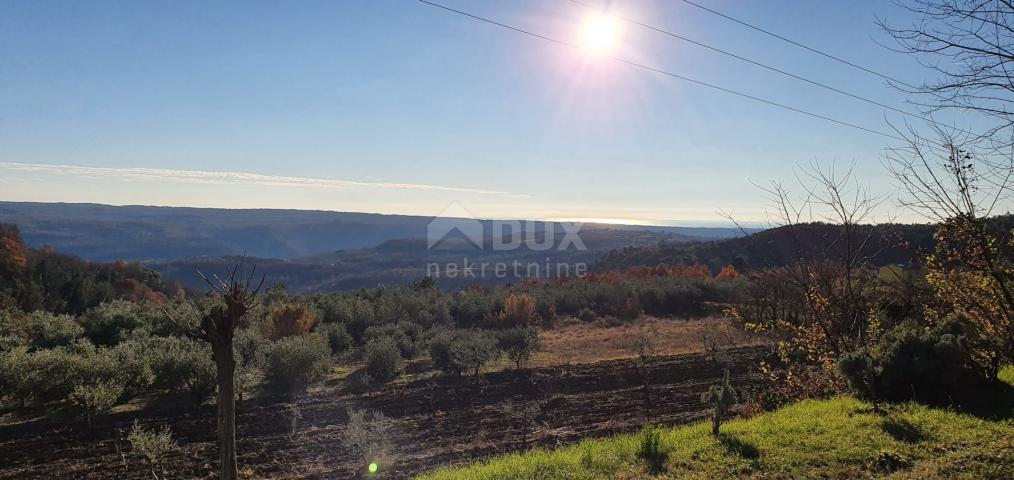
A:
[(235, 178)]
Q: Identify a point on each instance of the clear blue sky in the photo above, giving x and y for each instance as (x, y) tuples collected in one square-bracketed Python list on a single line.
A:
[(393, 106)]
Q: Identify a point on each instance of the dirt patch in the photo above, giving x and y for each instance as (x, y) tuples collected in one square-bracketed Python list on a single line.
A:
[(436, 422), (575, 341)]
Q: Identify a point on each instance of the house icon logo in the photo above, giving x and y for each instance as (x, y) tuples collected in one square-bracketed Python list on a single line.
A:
[(454, 222)]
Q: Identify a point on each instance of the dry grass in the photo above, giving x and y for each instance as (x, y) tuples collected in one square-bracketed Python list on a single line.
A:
[(574, 342)]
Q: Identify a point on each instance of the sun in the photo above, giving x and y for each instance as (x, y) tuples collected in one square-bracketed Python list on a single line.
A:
[(600, 33)]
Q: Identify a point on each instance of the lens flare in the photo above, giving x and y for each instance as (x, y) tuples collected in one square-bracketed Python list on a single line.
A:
[(600, 33), (373, 468)]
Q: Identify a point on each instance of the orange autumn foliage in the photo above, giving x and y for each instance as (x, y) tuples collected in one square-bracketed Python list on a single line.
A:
[(290, 319), (518, 311), (727, 272)]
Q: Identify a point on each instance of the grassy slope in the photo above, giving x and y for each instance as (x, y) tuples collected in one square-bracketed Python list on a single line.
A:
[(837, 438)]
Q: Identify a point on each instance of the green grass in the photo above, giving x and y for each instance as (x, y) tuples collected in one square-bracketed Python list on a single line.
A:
[(837, 438), (1007, 374)]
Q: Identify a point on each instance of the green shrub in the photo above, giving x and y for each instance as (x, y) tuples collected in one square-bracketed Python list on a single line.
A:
[(295, 363), (110, 322), (383, 360), (355, 313), (458, 351), (10, 342), (650, 450), (721, 399), (134, 360), (95, 398), (153, 446), (862, 374), (53, 373), (471, 308), (368, 438), (914, 363), (185, 367), (472, 350), (14, 374), (439, 347), (519, 344), (337, 337), (405, 335), (47, 330), (250, 349)]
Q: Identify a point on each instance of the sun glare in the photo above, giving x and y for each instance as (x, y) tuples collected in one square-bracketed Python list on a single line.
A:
[(599, 33)]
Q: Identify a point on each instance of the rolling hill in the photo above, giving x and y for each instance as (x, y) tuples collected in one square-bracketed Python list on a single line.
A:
[(147, 233)]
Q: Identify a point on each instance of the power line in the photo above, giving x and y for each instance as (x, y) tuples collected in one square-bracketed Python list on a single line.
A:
[(663, 72), (768, 67), (800, 45)]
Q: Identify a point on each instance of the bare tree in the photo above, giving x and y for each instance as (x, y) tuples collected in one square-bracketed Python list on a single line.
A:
[(969, 44), (949, 176), (828, 276), (216, 325)]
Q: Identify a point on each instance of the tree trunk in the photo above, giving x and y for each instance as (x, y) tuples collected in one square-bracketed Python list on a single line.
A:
[(226, 369)]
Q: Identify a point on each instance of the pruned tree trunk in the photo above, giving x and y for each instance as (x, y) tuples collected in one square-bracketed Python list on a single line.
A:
[(225, 366), (217, 326)]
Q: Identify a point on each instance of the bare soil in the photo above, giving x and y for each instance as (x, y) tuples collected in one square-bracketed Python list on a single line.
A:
[(437, 421)]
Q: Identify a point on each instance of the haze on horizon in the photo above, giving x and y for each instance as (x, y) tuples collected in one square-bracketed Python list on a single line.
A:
[(400, 108)]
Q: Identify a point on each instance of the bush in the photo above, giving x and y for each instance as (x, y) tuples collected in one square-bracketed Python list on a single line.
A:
[(405, 335), (289, 319), (184, 367), (457, 351), (586, 315), (440, 351), (10, 342), (110, 322), (47, 330), (250, 349), (295, 363), (472, 350), (368, 439), (95, 398), (721, 399), (862, 374), (518, 311), (14, 374), (355, 313), (650, 450), (52, 374), (134, 364), (337, 337), (383, 360), (471, 307), (519, 344), (153, 446), (912, 363)]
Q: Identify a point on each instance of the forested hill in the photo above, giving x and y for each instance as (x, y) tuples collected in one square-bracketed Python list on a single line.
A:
[(148, 233), (40, 279), (888, 244)]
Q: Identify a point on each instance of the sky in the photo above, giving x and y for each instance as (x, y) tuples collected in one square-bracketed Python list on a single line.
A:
[(394, 106)]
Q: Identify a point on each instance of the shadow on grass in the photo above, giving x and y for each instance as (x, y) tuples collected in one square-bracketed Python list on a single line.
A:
[(903, 430), (739, 447)]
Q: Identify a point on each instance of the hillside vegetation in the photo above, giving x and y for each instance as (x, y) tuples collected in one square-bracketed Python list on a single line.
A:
[(837, 438), (137, 232), (776, 247)]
